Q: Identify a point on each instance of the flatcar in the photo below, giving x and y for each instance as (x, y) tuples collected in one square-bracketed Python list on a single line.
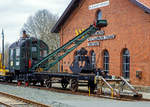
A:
[(24, 53)]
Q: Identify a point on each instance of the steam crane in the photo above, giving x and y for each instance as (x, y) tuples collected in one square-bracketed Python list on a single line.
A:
[(60, 53)]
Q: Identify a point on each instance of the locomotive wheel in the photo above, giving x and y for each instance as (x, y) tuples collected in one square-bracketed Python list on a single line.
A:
[(64, 83), (74, 85), (48, 83)]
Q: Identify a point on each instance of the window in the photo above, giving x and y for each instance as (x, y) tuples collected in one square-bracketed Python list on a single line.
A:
[(11, 54), (99, 15), (126, 63), (93, 59), (17, 56), (17, 63), (17, 52), (106, 61), (34, 49), (43, 53)]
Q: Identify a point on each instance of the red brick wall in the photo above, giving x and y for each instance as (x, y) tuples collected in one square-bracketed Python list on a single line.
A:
[(132, 29)]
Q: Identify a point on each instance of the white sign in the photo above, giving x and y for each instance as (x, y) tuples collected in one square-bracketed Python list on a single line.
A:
[(98, 5), (102, 37), (93, 44)]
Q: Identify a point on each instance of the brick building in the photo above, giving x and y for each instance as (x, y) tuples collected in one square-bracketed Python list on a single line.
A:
[(121, 48)]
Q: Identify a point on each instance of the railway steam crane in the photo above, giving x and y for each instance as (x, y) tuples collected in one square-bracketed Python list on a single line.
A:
[(63, 51), (29, 60)]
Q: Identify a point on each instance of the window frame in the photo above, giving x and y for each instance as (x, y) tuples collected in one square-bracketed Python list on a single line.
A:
[(17, 52), (126, 63), (93, 59), (106, 61)]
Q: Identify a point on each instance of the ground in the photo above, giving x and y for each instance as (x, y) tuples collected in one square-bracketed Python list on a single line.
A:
[(67, 100)]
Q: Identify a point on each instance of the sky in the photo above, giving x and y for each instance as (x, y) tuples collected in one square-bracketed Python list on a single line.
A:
[(14, 13)]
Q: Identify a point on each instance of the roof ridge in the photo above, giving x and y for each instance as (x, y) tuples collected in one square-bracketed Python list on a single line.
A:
[(141, 5)]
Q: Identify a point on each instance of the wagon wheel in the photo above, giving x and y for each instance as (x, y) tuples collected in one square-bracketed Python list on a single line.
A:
[(64, 83), (34, 83), (74, 85), (42, 83), (9, 80), (48, 83)]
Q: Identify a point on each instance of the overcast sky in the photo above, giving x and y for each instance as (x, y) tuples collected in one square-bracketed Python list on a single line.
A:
[(14, 13)]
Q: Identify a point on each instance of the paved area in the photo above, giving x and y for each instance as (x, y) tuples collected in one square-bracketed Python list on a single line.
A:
[(68, 100)]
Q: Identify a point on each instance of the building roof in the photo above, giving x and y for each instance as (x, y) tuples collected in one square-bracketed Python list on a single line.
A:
[(144, 4), (71, 7)]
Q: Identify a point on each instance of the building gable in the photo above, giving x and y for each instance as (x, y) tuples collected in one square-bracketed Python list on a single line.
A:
[(144, 4), (71, 7)]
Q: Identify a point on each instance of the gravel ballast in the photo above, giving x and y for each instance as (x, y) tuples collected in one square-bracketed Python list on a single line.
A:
[(66, 100)]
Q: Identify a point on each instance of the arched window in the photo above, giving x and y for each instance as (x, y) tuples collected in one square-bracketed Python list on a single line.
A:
[(106, 61), (93, 59), (126, 63), (99, 15)]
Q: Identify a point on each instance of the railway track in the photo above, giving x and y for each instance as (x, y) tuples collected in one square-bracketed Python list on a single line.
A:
[(9, 100), (79, 92)]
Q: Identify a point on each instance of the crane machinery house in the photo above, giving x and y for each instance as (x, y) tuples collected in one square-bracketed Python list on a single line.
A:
[(122, 48)]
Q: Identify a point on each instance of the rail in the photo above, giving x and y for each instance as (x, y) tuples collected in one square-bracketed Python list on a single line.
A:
[(19, 99)]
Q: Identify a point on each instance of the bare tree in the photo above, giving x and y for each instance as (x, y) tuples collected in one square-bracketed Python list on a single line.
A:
[(40, 26)]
